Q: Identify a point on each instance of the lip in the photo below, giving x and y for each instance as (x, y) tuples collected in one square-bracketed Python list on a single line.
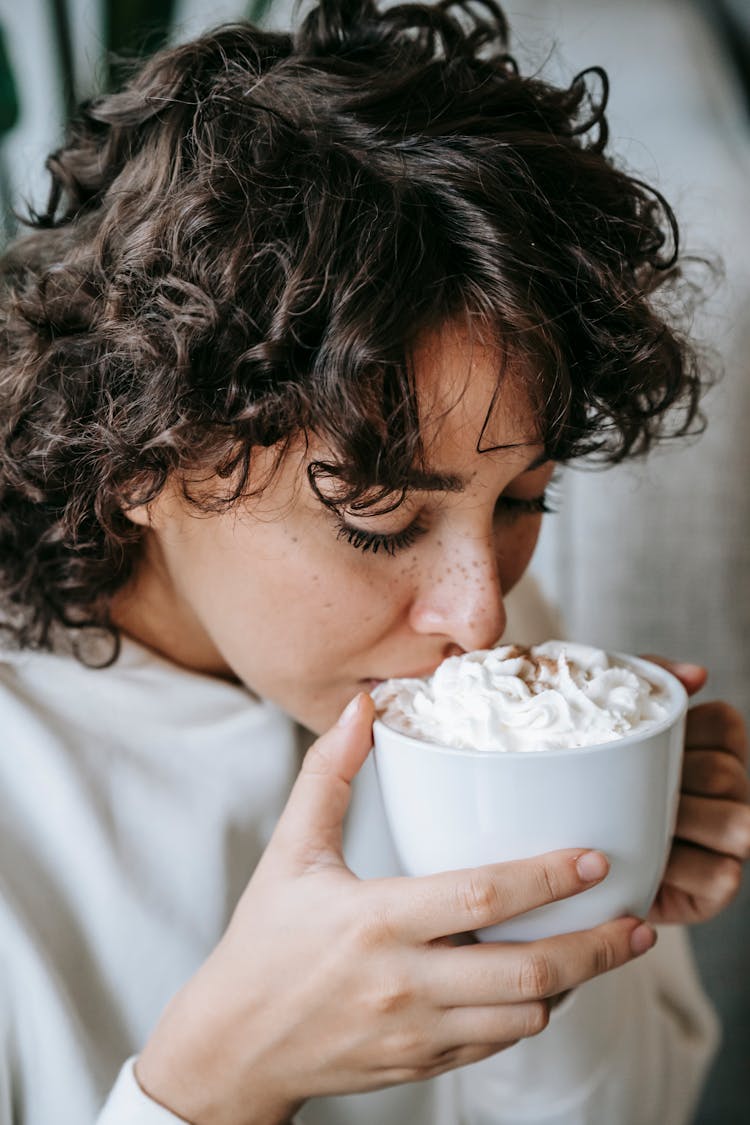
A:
[(404, 675)]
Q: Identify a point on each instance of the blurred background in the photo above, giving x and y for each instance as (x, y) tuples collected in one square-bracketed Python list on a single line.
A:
[(644, 558)]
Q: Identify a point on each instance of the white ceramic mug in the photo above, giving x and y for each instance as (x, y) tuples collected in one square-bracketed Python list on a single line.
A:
[(450, 809)]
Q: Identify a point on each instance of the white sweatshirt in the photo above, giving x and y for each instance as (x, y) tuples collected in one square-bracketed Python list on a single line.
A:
[(134, 804)]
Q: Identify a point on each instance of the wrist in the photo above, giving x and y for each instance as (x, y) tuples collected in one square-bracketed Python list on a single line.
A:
[(192, 1100), (190, 1070)]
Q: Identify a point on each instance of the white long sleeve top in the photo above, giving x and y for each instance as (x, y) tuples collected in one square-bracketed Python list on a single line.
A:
[(135, 802)]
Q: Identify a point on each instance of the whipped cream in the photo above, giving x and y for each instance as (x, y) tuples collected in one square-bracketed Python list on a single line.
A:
[(551, 696)]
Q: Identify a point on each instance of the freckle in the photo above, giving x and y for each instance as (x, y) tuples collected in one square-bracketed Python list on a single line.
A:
[(327, 605), (295, 539)]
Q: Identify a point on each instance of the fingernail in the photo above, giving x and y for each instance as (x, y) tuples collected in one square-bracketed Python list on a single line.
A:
[(592, 866), (642, 939), (349, 714), (685, 668)]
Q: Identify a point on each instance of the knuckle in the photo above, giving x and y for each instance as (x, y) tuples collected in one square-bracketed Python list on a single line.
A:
[(449, 1060), (537, 1018), (547, 882), (734, 723), (393, 994), (481, 900), (317, 759), (727, 879), (604, 955), (406, 1045), (396, 1075), (730, 725), (723, 776), (536, 976), (372, 930), (741, 832)]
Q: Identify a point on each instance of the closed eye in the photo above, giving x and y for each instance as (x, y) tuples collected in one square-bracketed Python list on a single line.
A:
[(375, 541), (535, 505)]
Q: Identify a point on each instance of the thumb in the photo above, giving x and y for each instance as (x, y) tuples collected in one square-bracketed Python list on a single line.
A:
[(691, 676), (311, 825)]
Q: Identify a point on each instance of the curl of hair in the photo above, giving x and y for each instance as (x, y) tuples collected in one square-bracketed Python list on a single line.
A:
[(243, 244)]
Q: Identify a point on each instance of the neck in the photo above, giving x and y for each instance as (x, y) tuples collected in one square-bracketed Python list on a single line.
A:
[(151, 611)]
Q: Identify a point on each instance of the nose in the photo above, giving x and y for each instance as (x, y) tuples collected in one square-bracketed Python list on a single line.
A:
[(461, 597)]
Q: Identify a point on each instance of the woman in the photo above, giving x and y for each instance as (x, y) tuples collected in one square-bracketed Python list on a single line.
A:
[(288, 365)]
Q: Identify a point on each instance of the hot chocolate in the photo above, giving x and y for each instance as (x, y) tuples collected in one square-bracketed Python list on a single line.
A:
[(550, 696)]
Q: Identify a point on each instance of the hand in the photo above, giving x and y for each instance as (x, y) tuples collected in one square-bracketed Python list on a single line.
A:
[(325, 984), (712, 836)]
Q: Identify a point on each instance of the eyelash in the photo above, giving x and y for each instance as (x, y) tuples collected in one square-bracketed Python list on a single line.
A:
[(399, 540), (538, 506), (374, 541)]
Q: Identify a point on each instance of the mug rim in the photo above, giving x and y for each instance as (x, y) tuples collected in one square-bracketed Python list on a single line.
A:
[(654, 673)]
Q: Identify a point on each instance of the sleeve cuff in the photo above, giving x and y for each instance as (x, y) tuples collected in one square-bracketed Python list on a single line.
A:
[(127, 1104)]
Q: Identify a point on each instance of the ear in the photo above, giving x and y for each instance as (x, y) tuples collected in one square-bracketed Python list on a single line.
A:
[(141, 515), (147, 513)]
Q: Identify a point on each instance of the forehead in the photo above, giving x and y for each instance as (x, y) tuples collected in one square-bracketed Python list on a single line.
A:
[(476, 421), (473, 400)]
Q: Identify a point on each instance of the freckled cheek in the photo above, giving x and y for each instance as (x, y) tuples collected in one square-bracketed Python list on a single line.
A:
[(364, 595)]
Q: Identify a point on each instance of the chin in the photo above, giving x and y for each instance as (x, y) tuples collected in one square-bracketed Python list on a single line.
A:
[(320, 710), (317, 717), (320, 717)]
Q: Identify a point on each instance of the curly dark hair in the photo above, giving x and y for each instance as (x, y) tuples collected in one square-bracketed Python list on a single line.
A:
[(242, 245)]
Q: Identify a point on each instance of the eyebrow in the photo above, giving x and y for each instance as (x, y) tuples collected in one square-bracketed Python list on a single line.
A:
[(430, 480)]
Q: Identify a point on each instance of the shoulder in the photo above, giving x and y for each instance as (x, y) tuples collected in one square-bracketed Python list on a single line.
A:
[(30, 684)]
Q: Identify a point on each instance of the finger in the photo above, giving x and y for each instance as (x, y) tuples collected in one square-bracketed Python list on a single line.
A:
[(696, 886), (311, 823), (508, 973), (717, 725), (432, 906), (455, 1057), (691, 676), (719, 826), (714, 773), (467, 1027)]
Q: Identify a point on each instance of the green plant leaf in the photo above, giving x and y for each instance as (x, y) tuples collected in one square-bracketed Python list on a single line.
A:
[(135, 29), (258, 9), (9, 105)]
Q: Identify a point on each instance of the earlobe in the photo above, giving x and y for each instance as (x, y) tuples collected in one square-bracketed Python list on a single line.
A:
[(140, 514), (145, 513)]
